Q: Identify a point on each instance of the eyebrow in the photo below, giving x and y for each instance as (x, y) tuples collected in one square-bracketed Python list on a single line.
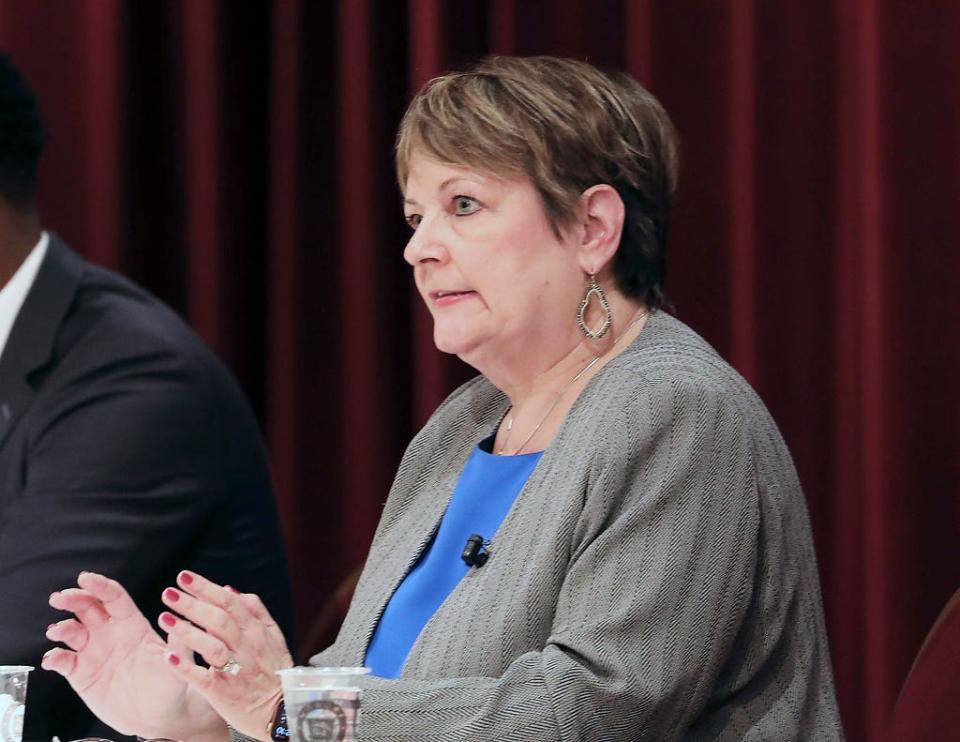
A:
[(444, 184)]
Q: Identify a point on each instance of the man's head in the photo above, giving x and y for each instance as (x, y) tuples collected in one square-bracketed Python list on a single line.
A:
[(22, 138)]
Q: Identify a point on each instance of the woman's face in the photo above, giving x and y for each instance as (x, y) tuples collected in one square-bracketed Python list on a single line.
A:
[(494, 275)]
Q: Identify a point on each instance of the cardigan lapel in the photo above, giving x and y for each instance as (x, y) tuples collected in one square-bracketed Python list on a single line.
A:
[(396, 554)]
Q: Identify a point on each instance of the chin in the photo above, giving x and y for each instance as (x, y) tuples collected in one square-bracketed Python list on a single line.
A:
[(453, 346), (454, 341)]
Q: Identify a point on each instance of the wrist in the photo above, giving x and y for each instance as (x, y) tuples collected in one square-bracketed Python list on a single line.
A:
[(197, 722), (277, 729), (221, 735)]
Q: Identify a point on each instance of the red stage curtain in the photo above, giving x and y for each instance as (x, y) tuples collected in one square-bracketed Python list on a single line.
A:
[(236, 159)]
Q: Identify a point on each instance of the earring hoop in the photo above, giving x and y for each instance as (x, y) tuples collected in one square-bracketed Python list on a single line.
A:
[(594, 290)]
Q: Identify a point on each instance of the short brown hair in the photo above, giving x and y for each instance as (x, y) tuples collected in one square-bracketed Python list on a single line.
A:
[(566, 126)]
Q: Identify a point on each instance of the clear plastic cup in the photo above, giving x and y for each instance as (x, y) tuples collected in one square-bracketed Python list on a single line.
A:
[(13, 697), (322, 703)]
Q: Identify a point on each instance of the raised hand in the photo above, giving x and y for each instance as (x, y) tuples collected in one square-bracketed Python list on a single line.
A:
[(118, 665), (236, 636)]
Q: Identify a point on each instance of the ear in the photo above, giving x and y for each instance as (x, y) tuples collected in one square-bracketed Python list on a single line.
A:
[(601, 214)]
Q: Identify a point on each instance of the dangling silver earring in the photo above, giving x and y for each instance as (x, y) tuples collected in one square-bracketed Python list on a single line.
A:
[(594, 288)]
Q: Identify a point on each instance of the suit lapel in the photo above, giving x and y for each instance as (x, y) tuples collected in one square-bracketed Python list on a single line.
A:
[(32, 339)]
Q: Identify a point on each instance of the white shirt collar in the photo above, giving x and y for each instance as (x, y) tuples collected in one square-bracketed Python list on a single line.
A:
[(15, 292)]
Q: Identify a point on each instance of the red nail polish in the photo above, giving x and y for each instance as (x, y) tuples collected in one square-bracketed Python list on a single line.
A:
[(172, 595), (186, 578), (168, 619), (174, 660)]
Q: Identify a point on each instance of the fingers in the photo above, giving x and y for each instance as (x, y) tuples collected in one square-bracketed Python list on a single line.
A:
[(256, 607), (185, 635), (274, 636), (242, 606), (208, 681), (266, 630), (216, 620), (95, 601), (251, 605), (206, 591), (59, 660), (237, 622), (115, 599), (216, 608), (246, 700), (70, 632), (86, 607), (179, 648), (200, 677)]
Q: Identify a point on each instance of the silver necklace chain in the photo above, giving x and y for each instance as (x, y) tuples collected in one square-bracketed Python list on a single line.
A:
[(559, 396)]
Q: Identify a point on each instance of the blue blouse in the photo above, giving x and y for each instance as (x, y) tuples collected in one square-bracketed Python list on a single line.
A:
[(485, 491)]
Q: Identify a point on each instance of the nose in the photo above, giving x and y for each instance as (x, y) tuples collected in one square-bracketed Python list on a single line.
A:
[(426, 243)]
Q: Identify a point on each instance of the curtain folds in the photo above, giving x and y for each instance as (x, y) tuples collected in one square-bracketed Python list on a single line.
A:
[(236, 158)]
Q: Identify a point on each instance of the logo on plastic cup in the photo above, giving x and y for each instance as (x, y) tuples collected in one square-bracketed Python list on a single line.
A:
[(322, 720), (11, 719)]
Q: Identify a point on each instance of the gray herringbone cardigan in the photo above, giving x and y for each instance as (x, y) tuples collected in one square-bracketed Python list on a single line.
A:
[(655, 579)]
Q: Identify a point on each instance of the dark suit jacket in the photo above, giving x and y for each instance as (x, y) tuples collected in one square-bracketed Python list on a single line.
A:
[(125, 448)]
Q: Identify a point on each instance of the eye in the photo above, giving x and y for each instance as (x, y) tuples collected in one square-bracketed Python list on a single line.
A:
[(464, 205), (413, 220)]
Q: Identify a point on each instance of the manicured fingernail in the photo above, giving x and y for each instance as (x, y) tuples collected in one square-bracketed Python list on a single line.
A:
[(172, 595), (185, 578), (174, 660), (168, 619)]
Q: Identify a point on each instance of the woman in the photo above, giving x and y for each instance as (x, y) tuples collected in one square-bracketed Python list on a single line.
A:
[(650, 572)]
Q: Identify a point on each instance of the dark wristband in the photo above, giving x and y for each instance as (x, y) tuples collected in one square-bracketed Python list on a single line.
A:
[(279, 731)]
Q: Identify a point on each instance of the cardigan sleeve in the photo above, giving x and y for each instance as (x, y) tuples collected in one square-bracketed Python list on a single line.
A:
[(658, 582)]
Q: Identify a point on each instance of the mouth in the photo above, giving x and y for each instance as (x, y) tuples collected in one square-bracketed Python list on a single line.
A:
[(444, 298)]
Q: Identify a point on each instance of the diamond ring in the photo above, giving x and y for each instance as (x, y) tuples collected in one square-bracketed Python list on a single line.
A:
[(230, 667)]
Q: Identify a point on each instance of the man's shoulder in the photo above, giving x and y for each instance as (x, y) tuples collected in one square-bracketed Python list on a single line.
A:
[(116, 312), (114, 321), (116, 335)]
